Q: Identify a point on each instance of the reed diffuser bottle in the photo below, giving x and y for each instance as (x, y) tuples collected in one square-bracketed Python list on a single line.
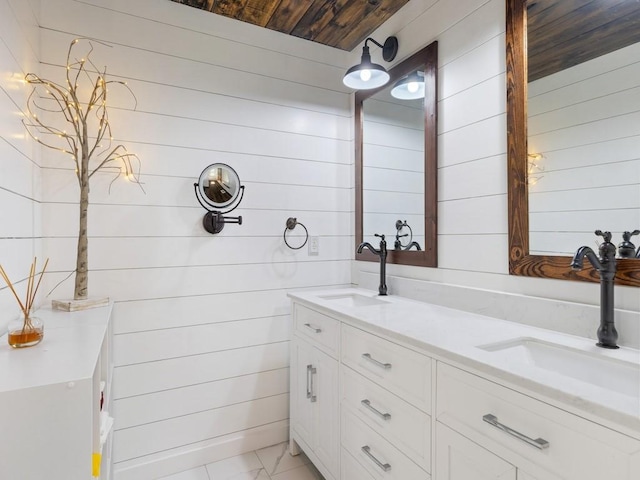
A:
[(26, 330)]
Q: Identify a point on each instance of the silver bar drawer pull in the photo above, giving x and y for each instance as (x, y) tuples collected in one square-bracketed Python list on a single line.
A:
[(311, 327), (384, 466), (367, 403), (367, 356), (310, 372), (539, 443)]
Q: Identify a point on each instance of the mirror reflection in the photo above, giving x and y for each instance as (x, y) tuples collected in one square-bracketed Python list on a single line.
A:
[(393, 163), (396, 162), (219, 185), (583, 122)]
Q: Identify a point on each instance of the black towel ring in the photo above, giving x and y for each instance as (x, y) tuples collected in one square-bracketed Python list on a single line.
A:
[(291, 224)]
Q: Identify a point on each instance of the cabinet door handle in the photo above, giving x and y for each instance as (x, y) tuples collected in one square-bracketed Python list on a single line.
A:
[(539, 443), (367, 403), (311, 327), (385, 467), (310, 371), (367, 356)]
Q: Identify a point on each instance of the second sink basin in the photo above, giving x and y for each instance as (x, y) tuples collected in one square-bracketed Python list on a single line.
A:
[(352, 300), (616, 375)]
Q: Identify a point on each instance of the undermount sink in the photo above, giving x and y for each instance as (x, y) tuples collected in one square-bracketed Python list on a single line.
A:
[(609, 373), (352, 300)]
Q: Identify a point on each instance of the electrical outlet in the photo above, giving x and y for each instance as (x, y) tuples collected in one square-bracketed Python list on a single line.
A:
[(314, 245)]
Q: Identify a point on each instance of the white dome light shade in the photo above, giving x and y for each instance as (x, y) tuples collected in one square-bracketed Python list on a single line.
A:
[(368, 75), (409, 88)]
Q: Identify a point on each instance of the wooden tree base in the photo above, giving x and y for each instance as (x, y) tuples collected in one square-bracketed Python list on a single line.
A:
[(75, 305)]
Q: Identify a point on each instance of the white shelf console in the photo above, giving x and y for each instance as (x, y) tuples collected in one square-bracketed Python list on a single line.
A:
[(55, 398)]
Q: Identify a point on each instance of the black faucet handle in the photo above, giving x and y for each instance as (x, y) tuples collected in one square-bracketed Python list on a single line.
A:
[(605, 235), (607, 249), (626, 249), (383, 245), (626, 236)]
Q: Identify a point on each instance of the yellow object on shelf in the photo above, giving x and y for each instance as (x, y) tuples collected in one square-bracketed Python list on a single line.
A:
[(96, 460)]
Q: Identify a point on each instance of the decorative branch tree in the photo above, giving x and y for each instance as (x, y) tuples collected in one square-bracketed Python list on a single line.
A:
[(88, 140)]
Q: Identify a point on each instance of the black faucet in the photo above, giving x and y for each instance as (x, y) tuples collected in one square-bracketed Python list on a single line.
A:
[(606, 267), (398, 245), (627, 249), (382, 253)]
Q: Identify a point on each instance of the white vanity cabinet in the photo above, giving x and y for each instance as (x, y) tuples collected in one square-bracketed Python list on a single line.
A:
[(55, 400), (359, 398), (410, 409), (540, 441), (314, 389)]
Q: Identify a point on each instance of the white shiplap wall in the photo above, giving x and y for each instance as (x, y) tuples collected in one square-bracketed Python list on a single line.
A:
[(20, 211), (585, 122), (472, 179), (202, 322)]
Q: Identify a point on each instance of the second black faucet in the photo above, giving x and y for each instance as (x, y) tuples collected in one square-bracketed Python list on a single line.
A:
[(382, 253)]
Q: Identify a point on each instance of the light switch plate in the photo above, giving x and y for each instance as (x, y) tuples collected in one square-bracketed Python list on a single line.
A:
[(314, 245)]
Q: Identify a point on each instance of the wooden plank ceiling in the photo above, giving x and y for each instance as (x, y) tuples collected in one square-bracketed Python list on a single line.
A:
[(564, 33), (338, 23)]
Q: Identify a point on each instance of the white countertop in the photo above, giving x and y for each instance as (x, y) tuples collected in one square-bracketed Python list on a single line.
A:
[(454, 335), (68, 352)]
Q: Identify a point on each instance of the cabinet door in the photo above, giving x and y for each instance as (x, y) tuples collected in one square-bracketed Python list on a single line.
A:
[(301, 406), (326, 418), (458, 458)]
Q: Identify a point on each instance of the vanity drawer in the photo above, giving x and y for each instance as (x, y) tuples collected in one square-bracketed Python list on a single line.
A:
[(398, 369), (403, 425), (350, 469), (375, 454), (577, 448), (321, 330)]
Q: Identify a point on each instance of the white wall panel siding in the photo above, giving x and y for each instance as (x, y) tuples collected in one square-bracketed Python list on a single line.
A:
[(60, 186), (157, 406), (20, 228), (153, 220), (473, 68), (139, 347), (175, 432), (173, 373), (202, 321), (195, 251), (483, 139), (156, 314)]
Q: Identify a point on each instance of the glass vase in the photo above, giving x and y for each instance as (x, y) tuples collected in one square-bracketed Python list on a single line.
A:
[(25, 332)]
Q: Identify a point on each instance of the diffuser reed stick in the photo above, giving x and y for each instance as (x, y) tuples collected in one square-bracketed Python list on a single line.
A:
[(32, 289)]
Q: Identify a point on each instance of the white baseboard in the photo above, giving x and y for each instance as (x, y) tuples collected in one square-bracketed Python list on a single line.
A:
[(157, 465)]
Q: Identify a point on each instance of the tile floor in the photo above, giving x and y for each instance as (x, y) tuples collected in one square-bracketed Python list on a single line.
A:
[(271, 463)]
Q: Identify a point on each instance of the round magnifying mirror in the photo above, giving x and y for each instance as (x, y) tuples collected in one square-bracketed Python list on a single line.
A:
[(219, 185)]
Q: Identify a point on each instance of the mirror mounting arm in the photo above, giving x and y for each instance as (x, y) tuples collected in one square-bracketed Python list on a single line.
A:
[(214, 221)]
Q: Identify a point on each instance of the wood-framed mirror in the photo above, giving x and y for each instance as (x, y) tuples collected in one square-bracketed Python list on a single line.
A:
[(537, 133), (396, 163)]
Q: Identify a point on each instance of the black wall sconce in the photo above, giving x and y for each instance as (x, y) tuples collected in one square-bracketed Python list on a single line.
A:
[(367, 75), (219, 187)]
